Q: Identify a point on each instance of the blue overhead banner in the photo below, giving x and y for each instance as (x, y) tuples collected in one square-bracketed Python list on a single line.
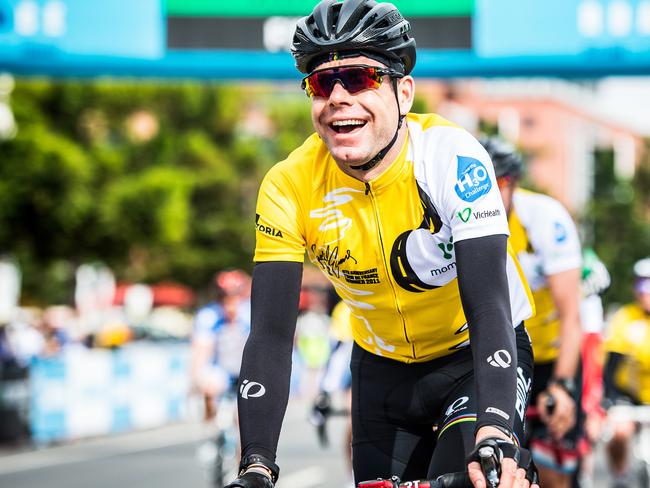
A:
[(149, 38), (561, 28), (53, 28)]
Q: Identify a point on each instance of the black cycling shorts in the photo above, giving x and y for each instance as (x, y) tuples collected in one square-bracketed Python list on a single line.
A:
[(417, 420), (558, 455)]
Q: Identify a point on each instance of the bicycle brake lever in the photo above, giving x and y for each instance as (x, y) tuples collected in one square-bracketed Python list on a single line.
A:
[(489, 465)]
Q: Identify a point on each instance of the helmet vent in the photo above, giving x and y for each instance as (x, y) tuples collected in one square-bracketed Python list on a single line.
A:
[(383, 24)]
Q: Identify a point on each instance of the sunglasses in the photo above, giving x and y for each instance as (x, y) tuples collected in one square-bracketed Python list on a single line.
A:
[(354, 78)]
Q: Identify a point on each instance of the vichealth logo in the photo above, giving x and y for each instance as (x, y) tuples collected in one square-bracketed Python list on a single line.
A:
[(473, 181)]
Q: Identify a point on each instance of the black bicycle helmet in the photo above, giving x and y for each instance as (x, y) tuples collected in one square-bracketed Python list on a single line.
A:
[(506, 159), (352, 28)]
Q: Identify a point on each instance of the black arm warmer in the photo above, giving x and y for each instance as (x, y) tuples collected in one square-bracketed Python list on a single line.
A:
[(266, 364), (612, 392), (483, 283)]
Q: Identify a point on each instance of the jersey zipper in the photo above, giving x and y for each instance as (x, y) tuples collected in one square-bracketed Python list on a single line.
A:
[(386, 267)]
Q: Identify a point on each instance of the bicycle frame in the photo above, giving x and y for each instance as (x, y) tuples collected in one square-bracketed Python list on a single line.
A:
[(226, 440)]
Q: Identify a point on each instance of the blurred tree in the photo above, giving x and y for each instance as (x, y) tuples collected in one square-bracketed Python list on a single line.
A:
[(157, 180), (617, 217)]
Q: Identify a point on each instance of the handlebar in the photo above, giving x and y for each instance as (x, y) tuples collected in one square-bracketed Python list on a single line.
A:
[(549, 405), (321, 425), (320, 413), (449, 480), (489, 464), (319, 420)]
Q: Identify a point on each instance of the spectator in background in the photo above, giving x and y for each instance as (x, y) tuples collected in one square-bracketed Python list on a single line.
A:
[(23, 337), (312, 330), (218, 337), (20, 342), (627, 369), (337, 378), (57, 322)]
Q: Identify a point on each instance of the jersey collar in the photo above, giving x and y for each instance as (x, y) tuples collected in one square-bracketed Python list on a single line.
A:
[(390, 174)]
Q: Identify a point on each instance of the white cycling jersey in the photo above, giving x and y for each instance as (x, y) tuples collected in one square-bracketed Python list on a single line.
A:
[(227, 339), (546, 241)]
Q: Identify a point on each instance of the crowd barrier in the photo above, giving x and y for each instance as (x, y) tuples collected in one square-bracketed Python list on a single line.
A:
[(90, 392)]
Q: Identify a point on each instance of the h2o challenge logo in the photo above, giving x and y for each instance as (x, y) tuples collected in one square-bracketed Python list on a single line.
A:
[(560, 233), (473, 180)]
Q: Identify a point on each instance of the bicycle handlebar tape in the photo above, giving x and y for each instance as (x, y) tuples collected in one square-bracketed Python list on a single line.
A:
[(256, 459), (453, 480), (490, 464), (379, 483)]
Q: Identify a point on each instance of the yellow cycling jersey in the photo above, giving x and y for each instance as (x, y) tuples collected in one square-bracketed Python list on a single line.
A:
[(340, 328), (387, 245), (546, 242), (629, 334)]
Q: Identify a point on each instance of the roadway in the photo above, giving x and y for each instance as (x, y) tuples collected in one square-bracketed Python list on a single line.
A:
[(166, 458)]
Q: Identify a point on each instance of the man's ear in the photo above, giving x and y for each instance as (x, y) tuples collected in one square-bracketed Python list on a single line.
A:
[(405, 94)]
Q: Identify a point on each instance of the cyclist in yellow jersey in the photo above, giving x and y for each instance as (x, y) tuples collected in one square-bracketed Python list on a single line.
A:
[(402, 213), (627, 367), (547, 246)]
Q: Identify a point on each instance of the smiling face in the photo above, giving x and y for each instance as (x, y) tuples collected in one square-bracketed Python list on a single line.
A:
[(355, 127)]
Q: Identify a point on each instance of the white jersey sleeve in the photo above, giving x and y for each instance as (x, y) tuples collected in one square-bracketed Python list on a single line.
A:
[(466, 190), (551, 230)]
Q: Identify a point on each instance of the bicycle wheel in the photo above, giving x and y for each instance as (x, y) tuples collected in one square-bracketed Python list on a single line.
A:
[(644, 474), (218, 469)]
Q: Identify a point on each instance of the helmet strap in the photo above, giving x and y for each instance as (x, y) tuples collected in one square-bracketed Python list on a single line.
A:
[(381, 154)]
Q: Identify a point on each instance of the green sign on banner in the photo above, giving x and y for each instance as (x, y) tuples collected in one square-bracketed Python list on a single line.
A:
[(264, 8)]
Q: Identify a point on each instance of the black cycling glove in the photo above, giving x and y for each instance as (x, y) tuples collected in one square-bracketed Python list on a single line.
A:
[(490, 452), (251, 479)]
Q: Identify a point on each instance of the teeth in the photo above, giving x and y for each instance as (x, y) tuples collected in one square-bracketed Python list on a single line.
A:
[(348, 122)]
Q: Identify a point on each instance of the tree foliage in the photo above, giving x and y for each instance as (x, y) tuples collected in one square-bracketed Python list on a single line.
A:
[(157, 180), (617, 217)]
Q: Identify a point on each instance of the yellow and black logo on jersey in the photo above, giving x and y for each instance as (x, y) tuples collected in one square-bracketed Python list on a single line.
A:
[(266, 229), (400, 264)]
